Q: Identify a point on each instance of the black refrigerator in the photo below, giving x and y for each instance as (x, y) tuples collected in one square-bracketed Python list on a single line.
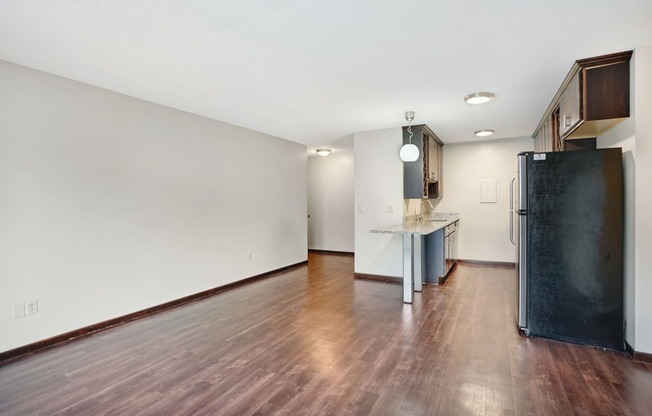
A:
[(567, 225)]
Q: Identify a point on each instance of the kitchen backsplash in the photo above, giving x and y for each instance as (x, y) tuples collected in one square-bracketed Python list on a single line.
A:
[(415, 209)]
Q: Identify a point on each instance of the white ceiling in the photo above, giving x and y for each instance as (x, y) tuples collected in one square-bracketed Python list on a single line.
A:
[(316, 71)]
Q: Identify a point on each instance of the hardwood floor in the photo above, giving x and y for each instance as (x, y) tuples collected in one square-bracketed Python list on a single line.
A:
[(315, 341)]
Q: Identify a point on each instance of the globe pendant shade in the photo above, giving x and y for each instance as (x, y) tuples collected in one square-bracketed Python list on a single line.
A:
[(409, 153)]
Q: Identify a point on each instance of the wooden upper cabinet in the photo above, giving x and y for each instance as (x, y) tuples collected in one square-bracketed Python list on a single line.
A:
[(569, 107), (593, 98), (547, 139), (434, 150), (422, 178)]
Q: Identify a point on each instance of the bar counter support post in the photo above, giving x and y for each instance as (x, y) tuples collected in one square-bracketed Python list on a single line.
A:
[(418, 263), (408, 267)]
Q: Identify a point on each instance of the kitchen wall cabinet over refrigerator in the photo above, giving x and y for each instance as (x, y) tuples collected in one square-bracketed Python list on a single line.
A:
[(547, 139), (422, 178), (593, 98), (597, 96)]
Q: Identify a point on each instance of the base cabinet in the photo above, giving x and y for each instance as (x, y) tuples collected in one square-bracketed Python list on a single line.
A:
[(440, 254)]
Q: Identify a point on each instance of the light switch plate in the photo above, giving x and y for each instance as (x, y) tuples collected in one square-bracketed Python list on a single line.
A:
[(19, 311)]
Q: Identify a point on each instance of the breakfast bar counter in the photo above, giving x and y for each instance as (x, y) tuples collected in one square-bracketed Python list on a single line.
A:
[(412, 250)]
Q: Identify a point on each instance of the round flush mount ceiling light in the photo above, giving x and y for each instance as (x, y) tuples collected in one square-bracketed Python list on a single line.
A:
[(479, 98), (323, 152), (484, 133)]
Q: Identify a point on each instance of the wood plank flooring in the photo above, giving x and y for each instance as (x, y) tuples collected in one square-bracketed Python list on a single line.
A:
[(314, 341)]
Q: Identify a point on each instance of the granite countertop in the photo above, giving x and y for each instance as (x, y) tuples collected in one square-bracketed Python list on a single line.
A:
[(426, 226)]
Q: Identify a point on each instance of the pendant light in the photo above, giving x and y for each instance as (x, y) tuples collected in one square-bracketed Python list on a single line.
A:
[(409, 152)]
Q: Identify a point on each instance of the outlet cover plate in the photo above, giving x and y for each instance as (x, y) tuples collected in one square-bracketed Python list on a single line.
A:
[(31, 307)]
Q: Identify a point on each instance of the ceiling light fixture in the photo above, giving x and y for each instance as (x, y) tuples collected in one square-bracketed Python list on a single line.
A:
[(323, 152), (484, 133), (479, 98), (409, 152)]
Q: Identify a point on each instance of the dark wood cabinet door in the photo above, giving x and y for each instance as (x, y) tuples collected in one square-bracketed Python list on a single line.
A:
[(606, 92), (570, 107)]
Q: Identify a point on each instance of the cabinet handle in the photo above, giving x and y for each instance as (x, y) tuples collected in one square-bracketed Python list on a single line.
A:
[(511, 210)]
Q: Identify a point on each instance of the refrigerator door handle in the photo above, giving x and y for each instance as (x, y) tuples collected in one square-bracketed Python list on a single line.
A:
[(521, 209), (511, 210)]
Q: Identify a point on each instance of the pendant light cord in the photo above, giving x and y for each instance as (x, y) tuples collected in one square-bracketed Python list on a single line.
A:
[(409, 116)]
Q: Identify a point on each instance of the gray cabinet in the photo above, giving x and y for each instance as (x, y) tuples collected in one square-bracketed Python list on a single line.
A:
[(450, 247), (440, 254), (423, 177)]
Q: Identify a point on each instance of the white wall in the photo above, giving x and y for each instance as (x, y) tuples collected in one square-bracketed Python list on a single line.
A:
[(623, 136), (634, 136), (643, 161), (378, 183), (484, 227), (109, 204), (330, 202)]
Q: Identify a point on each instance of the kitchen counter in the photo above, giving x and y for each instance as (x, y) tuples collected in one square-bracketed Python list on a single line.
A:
[(423, 227), (412, 250)]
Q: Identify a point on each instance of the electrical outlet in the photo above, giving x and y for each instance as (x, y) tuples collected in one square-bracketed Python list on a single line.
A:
[(360, 209), (389, 209), (250, 256), (19, 310), (31, 307)]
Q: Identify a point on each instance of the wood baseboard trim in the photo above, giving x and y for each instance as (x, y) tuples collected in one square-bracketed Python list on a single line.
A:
[(26, 350), (442, 280), (331, 252), (378, 278), (488, 263), (629, 350), (637, 356)]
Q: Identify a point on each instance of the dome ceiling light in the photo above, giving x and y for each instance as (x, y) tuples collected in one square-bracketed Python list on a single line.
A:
[(484, 133), (323, 152), (479, 98)]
